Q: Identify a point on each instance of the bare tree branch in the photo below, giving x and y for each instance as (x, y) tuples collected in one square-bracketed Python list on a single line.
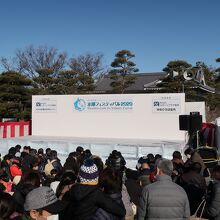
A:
[(88, 64), (32, 59)]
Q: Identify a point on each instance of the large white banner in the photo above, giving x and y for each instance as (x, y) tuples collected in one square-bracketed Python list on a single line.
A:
[(124, 116)]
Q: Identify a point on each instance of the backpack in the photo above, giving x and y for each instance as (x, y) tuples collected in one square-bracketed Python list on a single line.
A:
[(48, 167)]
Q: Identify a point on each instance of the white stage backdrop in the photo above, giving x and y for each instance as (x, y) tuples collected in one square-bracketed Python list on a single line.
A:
[(126, 116)]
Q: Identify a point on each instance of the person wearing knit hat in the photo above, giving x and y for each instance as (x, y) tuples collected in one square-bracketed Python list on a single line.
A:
[(85, 197), (88, 173)]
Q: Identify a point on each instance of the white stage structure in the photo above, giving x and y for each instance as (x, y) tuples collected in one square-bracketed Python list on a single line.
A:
[(135, 124), (152, 116)]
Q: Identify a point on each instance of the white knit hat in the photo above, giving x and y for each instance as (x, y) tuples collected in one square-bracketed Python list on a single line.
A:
[(88, 172)]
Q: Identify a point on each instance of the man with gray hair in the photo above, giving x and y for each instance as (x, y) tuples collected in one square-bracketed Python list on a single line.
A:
[(163, 199)]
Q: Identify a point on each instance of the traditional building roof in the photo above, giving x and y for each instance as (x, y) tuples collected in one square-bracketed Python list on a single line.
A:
[(142, 80), (147, 82)]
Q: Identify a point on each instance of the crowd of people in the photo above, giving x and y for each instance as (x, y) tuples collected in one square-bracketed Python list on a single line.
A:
[(35, 185)]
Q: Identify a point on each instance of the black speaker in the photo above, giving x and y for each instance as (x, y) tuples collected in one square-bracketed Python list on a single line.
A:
[(184, 122), (195, 122)]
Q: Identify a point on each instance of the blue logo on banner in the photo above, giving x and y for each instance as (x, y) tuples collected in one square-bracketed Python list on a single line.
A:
[(80, 104), (156, 104)]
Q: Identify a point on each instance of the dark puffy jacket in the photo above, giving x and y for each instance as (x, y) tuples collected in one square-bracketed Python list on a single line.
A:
[(84, 200), (192, 177), (163, 200), (104, 215), (133, 187), (212, 210), (71, 164), (195, 187), (134, 190), (20, 195)]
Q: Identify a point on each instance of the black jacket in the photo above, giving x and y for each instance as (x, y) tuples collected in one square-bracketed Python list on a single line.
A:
[(104, 215), (195, 186), (212, 210), (20, 195), (134, 190), (84, 200)]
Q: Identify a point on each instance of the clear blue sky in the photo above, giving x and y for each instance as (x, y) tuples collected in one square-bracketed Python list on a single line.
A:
[(156, 31)]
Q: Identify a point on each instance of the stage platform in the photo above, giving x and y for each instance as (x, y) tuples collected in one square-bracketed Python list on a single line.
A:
[(131, 149)]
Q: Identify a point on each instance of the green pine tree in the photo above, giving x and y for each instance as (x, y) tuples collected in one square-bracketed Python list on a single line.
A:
[(15, 95), (123, 71)]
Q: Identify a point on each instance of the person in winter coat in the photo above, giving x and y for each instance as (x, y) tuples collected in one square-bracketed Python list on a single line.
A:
[(5, 181), (41, 204), (111, 184), (28, 159), (15, 168), (72, 163), (192, 157), (117, 162), (212, 209), (55, 161), (7, 208), (194, 184), (67, 180), (28, 182), (41, 160), (144, 176), (163, 199), (5, 165), (85, 198), (178, 166)]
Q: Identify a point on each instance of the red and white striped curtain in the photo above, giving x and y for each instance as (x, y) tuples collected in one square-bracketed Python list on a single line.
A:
[(14, 129)]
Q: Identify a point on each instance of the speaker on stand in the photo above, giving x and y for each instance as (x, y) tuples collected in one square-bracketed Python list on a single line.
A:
[(193, 124), (195, 127), (184, 122)]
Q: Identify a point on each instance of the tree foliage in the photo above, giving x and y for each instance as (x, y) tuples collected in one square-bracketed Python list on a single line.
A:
[(66, 82), (176, 83), (48, 70), (45, 70), (10, 64), (217, 76), (213, 100), (177, 65), (45, 81), (218, 60), (86, 67), (123, 71), (89, 64), (15, 95)]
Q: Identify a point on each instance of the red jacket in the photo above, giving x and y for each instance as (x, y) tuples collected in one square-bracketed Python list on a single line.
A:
[(15, 170)]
